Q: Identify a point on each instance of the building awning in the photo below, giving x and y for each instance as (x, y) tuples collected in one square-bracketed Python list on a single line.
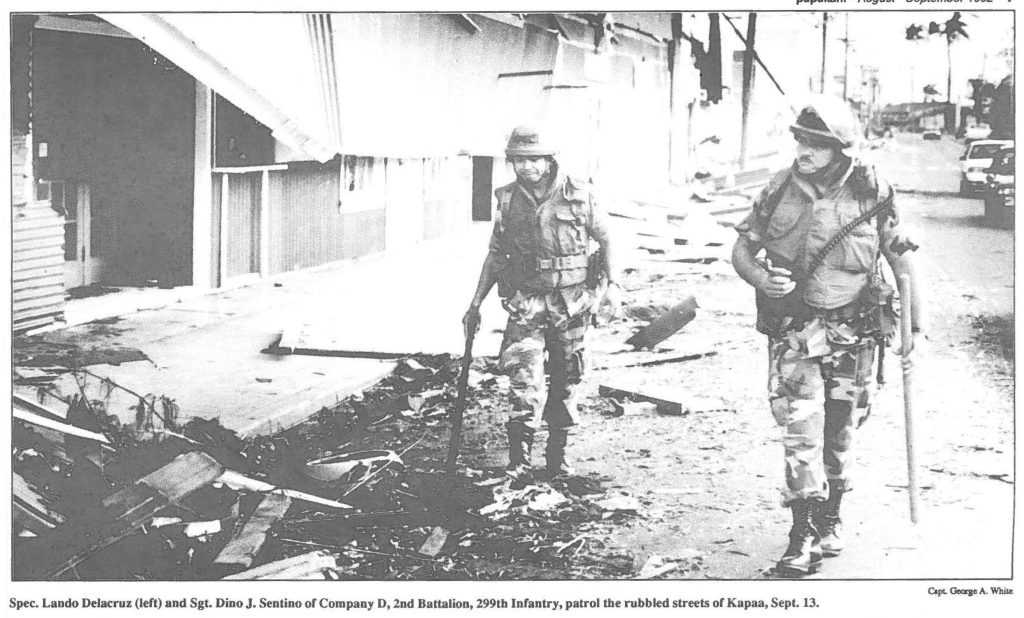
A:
[(260, 62)]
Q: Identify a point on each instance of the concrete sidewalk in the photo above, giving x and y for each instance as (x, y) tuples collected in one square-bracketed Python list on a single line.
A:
[(205, 351)]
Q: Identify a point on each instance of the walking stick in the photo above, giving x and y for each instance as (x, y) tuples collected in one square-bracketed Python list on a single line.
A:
[(460, 402), (907, 344)]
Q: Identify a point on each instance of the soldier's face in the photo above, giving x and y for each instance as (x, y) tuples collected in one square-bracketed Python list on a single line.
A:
[(812, 155), (531, 169)]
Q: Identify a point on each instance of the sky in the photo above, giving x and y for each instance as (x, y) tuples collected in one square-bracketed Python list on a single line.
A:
[(905, 67), (790, 44)]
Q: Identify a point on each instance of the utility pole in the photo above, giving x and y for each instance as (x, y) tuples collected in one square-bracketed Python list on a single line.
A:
[(824, 47), (748, 73), (949, 70), (846, 57), (678, 138)]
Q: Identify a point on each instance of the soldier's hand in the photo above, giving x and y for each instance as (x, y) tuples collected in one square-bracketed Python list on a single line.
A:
[(471, 321), (613, 300), (910, 357), (778, 283)]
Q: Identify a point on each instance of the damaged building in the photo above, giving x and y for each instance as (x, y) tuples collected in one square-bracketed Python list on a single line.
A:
[(149, 149)]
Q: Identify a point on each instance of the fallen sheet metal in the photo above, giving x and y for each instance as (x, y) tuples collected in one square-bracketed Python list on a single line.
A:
[(31, 510), (249, 538), (240, 482), (315, 563), (27, 411), (337, 467)]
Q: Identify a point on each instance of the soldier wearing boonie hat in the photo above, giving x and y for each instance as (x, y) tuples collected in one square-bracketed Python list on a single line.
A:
[(540, 256)]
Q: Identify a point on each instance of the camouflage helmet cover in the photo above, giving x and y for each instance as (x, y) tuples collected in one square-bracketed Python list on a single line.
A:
[(828, 119)]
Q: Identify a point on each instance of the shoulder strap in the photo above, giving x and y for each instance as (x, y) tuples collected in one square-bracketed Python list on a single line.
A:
[(773, 200), (504, 195), (819, 257)]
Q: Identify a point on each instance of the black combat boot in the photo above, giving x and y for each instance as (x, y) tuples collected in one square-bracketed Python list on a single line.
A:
[(803, 556), (829, 525), (520, 443), (554, 453)]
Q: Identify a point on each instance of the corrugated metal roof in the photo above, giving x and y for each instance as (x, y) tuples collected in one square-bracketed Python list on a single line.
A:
[(261, 62)]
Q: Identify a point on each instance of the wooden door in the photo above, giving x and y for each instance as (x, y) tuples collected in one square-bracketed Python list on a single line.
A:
[(89, 231)]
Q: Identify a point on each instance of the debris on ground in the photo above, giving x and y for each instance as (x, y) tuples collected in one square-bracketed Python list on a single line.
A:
[(665, 325), (356, 492), (656, 566), (435, 542), (313, 565), (248, 538), (664, 401), (620, 504)]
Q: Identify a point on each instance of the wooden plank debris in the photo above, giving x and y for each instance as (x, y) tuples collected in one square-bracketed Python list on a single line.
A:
[(116, 516), (249, 538), (665, 325), (671, 359), (435, 542), (296, 567), (667, 401)]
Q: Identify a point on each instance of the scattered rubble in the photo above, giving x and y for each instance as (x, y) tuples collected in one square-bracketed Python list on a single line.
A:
[(665, 401), (321, 500), (356, 492), (656, 566), (665, 325)]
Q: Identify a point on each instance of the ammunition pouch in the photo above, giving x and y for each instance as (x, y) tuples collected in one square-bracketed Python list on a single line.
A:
[(518, 269), (877, 317), (777, 315), (563, 262), (503, 268), (595, 270)]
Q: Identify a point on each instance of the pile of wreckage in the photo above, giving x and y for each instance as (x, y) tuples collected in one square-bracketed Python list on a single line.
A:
[(94, 500), (357, 491)]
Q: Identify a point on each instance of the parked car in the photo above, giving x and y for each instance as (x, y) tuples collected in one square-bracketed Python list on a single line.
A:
[(976, 133), (1000, 191), (931, 127), (975, 160)]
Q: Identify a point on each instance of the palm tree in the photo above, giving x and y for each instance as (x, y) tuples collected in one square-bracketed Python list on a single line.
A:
[(952, 29)]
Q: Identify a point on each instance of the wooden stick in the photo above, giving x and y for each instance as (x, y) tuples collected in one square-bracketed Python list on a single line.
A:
[(907, 344)]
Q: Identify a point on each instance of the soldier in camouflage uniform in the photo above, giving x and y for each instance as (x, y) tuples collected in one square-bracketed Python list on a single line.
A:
[(823, 328), (541, 257)]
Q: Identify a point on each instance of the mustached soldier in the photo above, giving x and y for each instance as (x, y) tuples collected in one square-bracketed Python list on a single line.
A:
[(825, 308), (540, 257)]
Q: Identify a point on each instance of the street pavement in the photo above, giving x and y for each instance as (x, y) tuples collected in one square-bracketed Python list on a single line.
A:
[(709, 481), (964, 251)]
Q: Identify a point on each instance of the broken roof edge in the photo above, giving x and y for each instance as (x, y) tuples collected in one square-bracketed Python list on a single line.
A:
[(155, 31)]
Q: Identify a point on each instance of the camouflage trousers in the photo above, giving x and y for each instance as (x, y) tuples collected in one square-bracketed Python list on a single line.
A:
[(540, 332), (820, 382)]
